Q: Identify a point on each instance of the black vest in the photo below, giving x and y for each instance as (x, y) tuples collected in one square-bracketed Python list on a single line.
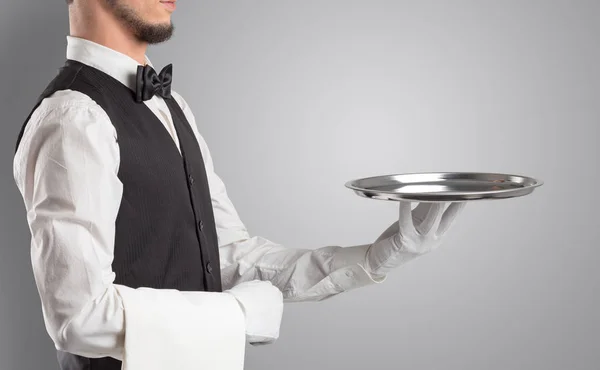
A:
[(165, 228)]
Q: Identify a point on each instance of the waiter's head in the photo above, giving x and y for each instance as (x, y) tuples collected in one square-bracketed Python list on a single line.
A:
[(148, 21)]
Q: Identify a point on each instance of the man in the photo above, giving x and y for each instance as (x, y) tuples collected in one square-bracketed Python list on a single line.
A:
[(139, 256)]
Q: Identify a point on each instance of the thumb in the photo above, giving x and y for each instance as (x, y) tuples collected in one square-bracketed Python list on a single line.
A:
[(391, 230)]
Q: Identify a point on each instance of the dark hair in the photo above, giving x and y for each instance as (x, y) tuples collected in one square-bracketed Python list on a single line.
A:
[(69, 2)]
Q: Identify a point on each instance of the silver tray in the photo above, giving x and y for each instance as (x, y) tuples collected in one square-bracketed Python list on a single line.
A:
[(444, 186)]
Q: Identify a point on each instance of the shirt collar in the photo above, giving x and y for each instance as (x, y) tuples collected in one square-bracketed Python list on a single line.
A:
[(117, 65)]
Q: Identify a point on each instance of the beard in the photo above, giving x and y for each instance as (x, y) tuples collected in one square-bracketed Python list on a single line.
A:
[(142, 30)]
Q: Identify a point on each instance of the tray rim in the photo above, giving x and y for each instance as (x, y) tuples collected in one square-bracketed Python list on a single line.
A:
[(537, 183)]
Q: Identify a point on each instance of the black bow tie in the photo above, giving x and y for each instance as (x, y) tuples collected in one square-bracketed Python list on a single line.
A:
[(148, 83)]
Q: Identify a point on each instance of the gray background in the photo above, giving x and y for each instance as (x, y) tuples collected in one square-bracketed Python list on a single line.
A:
[(296, 98)]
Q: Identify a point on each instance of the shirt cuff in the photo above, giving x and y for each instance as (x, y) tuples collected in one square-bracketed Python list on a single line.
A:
[(349, 269)]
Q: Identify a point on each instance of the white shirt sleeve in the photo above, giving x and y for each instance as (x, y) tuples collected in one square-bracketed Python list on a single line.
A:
[(301, 274), (66, 170)]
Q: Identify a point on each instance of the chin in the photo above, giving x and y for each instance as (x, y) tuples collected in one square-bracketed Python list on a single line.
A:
[(160, 22), (164, 23)]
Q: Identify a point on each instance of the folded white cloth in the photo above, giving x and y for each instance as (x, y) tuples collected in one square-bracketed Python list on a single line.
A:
[(262, 304), (168, 329)]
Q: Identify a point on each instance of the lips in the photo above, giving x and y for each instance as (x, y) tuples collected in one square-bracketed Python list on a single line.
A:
[(169, 4)]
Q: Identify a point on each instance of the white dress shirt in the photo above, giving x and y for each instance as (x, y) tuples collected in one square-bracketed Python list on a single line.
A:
[(66, 169)]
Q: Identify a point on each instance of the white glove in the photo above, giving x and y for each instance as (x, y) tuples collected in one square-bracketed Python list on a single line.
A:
[(417, 232), (262, 304)]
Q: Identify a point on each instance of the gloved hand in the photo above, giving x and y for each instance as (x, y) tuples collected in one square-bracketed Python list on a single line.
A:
[(416, 233), (262, 304)]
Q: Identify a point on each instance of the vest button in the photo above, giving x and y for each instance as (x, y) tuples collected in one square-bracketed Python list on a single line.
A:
[(201, 225), (208, 268), (190, 179)]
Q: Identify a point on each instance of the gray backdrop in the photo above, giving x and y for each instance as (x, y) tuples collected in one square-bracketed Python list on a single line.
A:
[(296, 98)]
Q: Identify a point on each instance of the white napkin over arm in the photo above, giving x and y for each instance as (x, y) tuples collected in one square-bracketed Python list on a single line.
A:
[(168, 329)]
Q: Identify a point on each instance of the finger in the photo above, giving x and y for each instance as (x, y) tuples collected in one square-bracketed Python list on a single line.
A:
[(449, 216), (405, 221), (432, 218), (420, 212)]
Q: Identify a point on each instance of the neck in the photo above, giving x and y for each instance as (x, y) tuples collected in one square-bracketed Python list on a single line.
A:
[(107, 31)]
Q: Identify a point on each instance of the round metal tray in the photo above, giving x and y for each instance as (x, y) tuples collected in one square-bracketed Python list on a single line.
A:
[(444, 186)]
